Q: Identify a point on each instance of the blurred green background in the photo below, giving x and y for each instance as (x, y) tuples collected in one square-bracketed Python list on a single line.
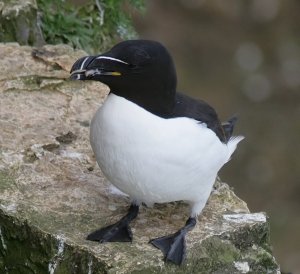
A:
[(243, 57)]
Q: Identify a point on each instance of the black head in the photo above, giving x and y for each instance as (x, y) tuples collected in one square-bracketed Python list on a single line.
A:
[(141, 71)]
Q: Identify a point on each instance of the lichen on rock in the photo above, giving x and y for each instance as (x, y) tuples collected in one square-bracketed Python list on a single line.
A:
[(52, 194)]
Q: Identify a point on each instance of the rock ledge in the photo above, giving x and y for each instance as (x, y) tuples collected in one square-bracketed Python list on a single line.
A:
[(52, 194)]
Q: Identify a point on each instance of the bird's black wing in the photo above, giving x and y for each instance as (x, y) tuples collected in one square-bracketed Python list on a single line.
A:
[(228, 127), (199, 110)]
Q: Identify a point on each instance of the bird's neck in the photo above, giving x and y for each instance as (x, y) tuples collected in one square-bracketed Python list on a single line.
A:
[(160, 103)]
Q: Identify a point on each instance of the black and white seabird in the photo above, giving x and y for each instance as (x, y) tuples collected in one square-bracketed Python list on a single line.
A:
[(153, 143)]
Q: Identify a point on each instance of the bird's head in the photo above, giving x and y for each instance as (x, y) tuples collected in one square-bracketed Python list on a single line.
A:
[(141, 71)]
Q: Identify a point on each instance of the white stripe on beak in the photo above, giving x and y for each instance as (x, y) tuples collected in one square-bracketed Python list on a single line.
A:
[(82, 64), (112, 59), (78, 71)]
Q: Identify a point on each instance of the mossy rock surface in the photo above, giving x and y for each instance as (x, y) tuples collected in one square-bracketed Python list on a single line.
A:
[(52, 194)]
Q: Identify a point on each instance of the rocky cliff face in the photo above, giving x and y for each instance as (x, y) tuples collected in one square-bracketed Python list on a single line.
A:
[(52, 194)]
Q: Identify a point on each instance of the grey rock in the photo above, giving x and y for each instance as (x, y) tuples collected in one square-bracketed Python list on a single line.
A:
[(52, 194)]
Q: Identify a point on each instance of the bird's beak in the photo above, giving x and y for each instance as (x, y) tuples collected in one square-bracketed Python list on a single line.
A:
[(83, 74), (93, 72), (86, 68), (78, 74), (79, 68)]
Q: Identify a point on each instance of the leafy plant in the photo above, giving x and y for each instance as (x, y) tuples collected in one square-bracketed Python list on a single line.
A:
[(92, 27)]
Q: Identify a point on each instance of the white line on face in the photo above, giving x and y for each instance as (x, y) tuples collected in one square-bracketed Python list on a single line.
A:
[(82, 64), (113, 59)]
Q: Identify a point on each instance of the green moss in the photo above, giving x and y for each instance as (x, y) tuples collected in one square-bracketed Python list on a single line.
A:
[(267, 261), (7, 180), (258, 234), (221, 251), (260, 260), (93, 27), (26, 249), (216, 254)]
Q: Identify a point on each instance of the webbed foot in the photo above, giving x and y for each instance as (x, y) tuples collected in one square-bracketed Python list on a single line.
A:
[(118, 232), (173, 246)]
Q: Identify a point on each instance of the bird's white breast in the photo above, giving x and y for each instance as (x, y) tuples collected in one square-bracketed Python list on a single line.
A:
[(153, 159)]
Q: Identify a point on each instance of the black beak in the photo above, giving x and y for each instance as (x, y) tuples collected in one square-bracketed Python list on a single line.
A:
[(86, 68), (79, 68)]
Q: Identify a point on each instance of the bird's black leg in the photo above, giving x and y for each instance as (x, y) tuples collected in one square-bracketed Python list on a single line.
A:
[(118, 232), (173, 246)]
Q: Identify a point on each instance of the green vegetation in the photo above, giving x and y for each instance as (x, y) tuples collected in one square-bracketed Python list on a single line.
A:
[(93, 27)]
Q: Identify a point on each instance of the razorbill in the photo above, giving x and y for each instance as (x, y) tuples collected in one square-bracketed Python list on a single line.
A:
[(153, 143)]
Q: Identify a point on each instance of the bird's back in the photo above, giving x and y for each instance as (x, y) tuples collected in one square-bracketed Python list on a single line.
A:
[(199, 110)]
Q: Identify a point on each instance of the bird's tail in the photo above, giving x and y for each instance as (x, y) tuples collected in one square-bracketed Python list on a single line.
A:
[(228, 127), (232, 144)]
